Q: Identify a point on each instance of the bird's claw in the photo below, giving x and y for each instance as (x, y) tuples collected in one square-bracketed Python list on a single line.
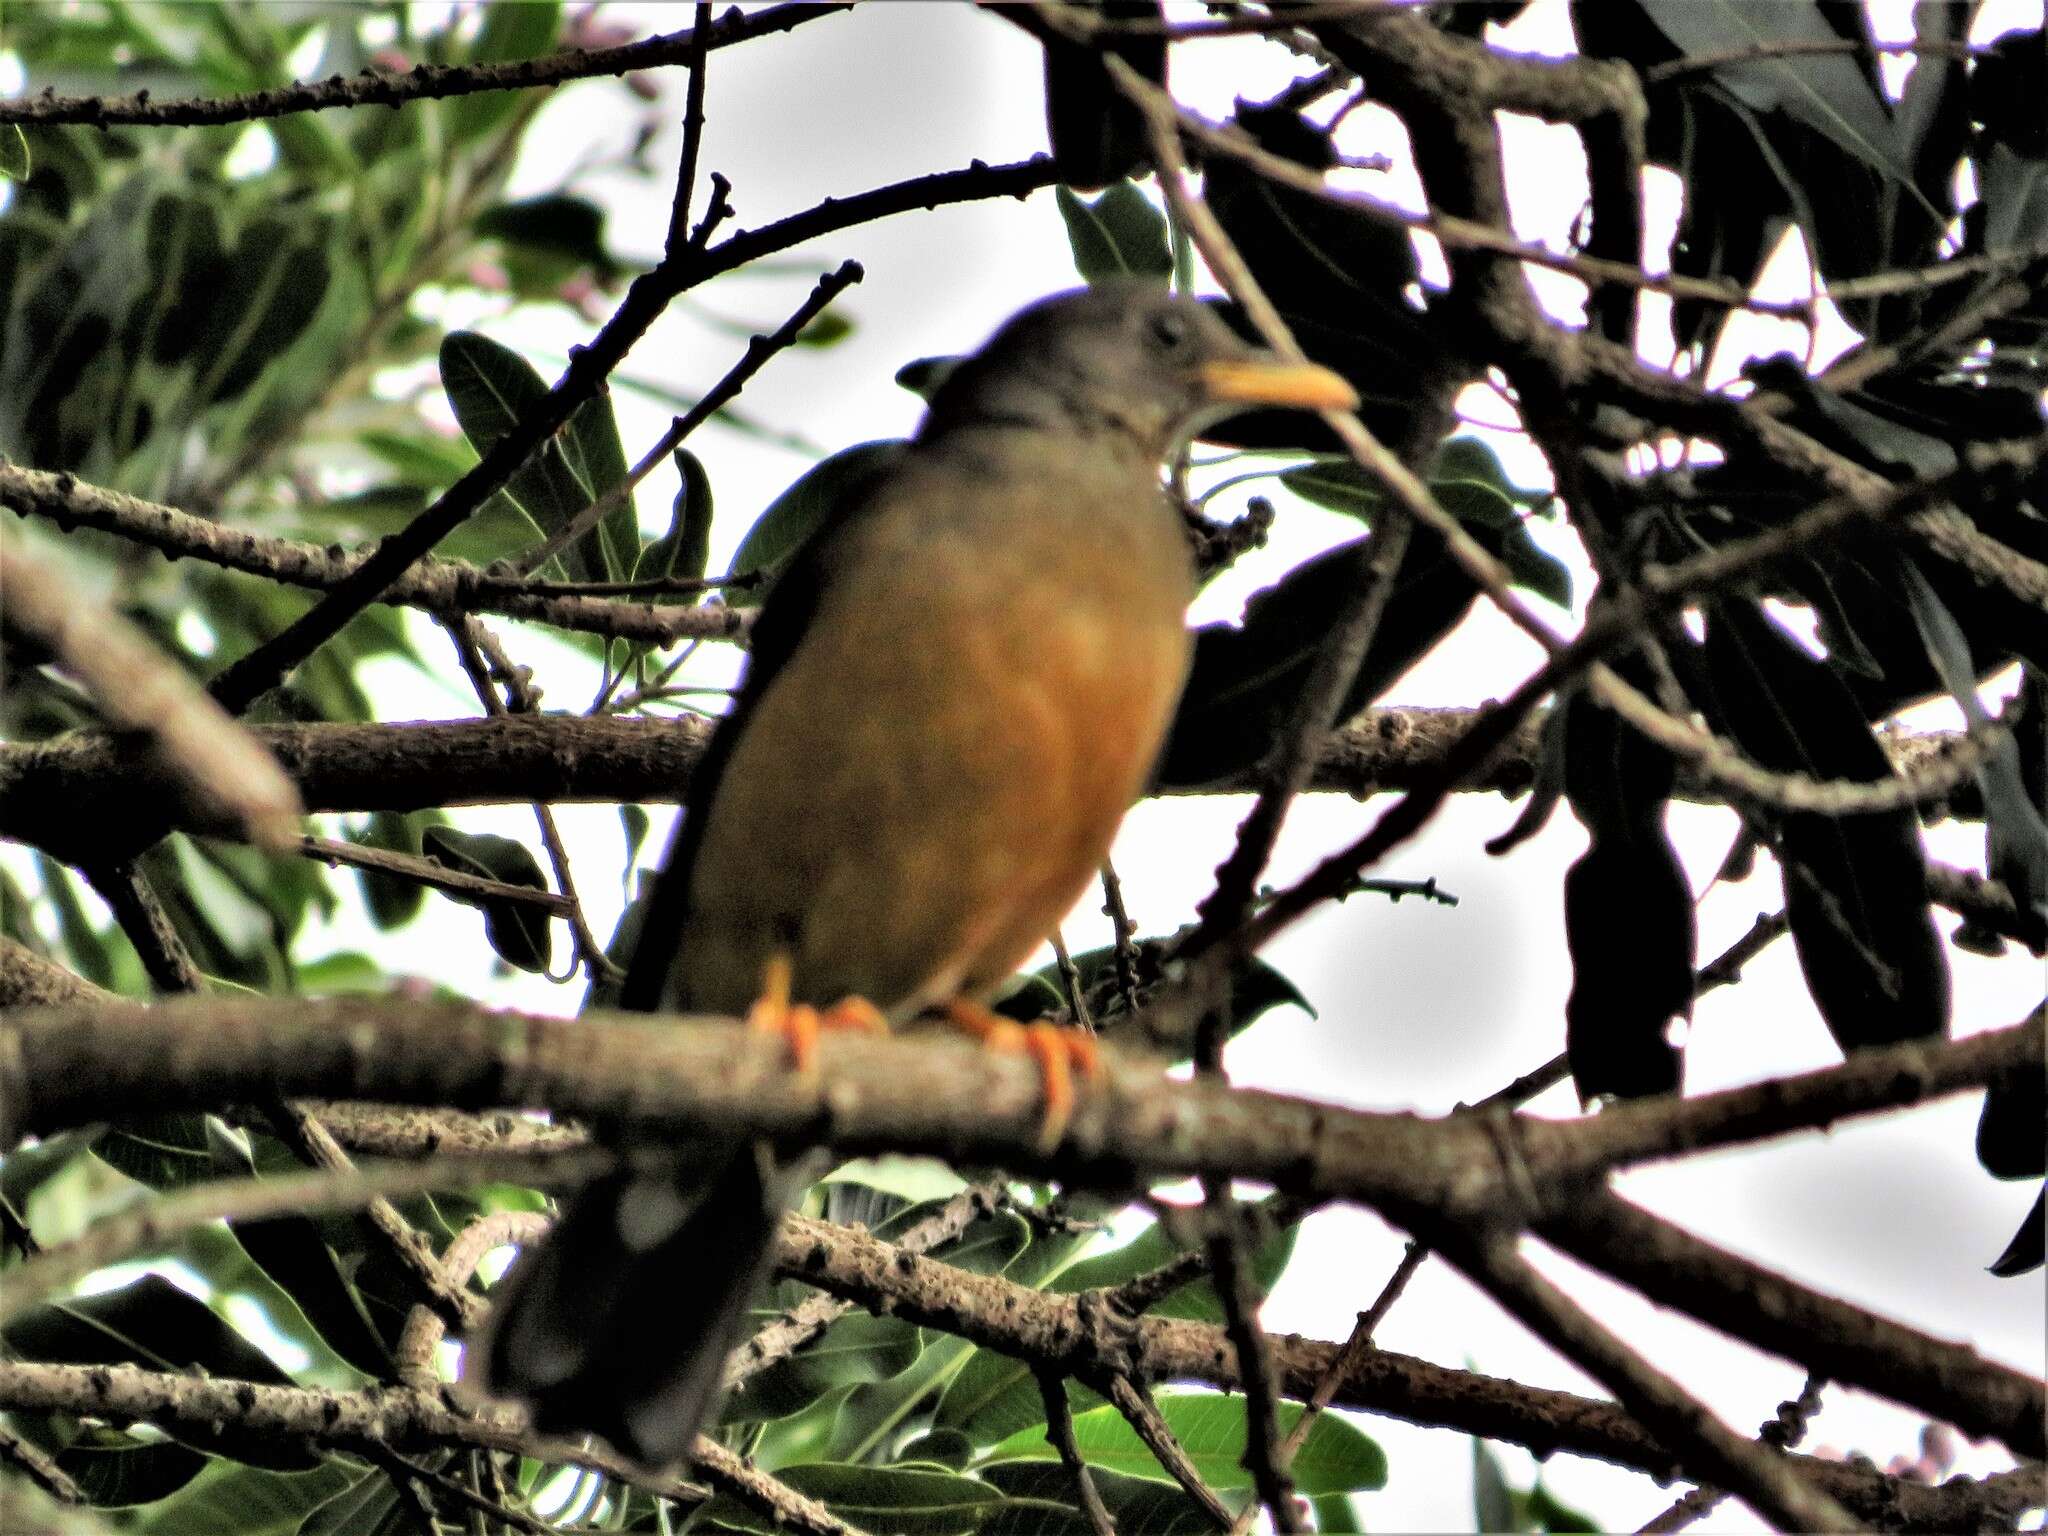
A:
[(1059, 1050), (800, 1024)]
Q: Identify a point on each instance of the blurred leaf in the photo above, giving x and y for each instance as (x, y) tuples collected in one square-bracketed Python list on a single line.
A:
[(14, 160), (825, 492), (509, 32), (2012, 1129), (117, 1471), (147, 1322), (911, 1500), (1120, 234), (370, 1506), (1039, 1500), (1336, 1457), (245, 1501), (518, 931), (549, 239), (1097, 134), (1246, 680), (1629, 920)]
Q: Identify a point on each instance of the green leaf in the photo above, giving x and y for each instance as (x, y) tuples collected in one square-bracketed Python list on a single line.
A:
[(2028, 1249), (115, 1470), (245, 1500), (912, 1501), (1196, 1301), (1336, 1457), (517, 930), (1039, 1500), (148, 1322), (365, 1508), (1120, 234), (1463, 486), (509, 32), (685, 550), (491, 388), (857, 1350), (14, 158), (814, 501), (549, 238)]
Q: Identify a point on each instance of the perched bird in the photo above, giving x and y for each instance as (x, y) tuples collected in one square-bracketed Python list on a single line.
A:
[(955, 692)]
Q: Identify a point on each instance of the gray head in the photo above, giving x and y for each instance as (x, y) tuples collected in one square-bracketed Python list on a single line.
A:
[(1122, 358)]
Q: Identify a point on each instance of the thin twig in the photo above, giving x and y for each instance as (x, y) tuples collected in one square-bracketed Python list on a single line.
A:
[(262, 668), (430, 873), (1059, 1430), (1139, 1410), (759, 350)]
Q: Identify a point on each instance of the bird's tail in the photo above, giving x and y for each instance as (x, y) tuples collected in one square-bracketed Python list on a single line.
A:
[(619, 1323)]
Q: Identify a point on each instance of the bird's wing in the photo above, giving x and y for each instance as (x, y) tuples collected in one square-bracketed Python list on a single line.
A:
[(780, 627)]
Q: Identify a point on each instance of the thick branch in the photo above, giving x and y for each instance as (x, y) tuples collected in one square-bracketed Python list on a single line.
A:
[(1071, 1334), (84, 797), (1727, 1291), (383, 1419), (64, 1067)]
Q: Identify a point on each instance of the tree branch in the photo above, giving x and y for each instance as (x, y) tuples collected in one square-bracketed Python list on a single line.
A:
[(422, 82)]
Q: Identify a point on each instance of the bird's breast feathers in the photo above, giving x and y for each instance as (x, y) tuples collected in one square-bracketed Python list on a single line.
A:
[(930, 781)]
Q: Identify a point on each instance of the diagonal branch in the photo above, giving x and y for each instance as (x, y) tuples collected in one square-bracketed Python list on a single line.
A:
[(1709, 1449)]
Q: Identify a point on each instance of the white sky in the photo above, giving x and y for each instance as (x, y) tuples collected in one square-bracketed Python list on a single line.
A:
[(1421, 1006)]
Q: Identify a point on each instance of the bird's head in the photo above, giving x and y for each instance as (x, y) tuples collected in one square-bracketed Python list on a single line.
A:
[(1129, 359)]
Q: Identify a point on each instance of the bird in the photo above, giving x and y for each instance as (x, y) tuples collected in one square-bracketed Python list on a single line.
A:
[(955, 690)]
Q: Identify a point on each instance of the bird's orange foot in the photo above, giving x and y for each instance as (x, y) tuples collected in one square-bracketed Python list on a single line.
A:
[(800, 1024), (1059, 1051)]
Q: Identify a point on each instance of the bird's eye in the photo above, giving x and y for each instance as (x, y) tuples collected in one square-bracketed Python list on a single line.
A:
[(1168, 330)]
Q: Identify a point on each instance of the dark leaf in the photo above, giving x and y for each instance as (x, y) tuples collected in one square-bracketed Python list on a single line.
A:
[(517, 930), (826, 490), (2029, 1246), (491, 388), (1855, 886), (148, 1322), (1247, 678), (272, 287), (1120, 234), (1039, 1500), (685, 550), (915, 1501), (1095, 133), (2012, 1130), (246, 1500), (117, 1471), (1827, 92), (561, 231), (1629, 924), (2016, 833)]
